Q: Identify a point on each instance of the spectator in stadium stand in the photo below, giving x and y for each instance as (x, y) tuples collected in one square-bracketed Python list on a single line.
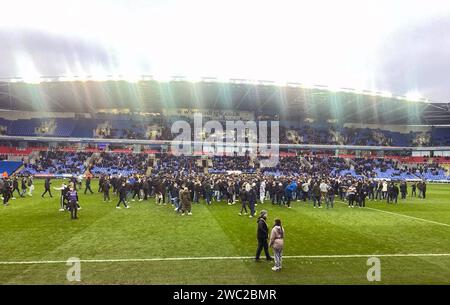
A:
[(72, 197), (277, 244), (47, 184), (262, 236), (88, 185), (403, 189), (185, 197)]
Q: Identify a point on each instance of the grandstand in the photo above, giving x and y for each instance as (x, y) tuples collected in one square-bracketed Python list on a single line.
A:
[(92, 118)]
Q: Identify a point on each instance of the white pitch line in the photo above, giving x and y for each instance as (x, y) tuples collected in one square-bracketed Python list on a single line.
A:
[(225, 258), (415, 218)]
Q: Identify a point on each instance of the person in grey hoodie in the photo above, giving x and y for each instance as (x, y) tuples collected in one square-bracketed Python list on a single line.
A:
[(277, 243)]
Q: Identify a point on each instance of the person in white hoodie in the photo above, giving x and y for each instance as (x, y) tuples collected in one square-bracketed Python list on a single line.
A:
[(262, 191), (277, 243)]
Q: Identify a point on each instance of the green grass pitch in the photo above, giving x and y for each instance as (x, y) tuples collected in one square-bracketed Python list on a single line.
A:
[(33, 229)]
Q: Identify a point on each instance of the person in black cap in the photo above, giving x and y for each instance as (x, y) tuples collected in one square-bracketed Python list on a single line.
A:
[(262, 236)]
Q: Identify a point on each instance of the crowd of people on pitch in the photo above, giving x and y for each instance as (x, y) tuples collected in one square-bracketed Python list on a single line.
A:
[(10, 185), (182, 190)]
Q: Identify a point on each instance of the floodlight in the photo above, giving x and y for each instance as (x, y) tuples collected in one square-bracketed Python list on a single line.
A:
[(414, 96)]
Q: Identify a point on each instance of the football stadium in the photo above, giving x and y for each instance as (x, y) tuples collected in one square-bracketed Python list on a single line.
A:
[(150, 179)]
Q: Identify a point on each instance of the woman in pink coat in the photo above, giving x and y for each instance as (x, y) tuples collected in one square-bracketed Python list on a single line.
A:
[(277, 243)]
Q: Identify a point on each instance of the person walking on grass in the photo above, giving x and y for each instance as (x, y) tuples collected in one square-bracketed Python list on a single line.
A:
[(262, 236), (252, 197), (122, 196), (105, 189), (88, 185), (23, 186), (30, 186), (244, 198), (7, 190), (185, 197), (277, 243), (47, 187)]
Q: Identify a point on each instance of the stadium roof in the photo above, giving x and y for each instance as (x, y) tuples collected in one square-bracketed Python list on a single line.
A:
[(289, 100)]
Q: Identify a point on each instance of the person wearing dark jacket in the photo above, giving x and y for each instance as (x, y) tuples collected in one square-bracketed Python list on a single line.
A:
[(252, 200), (15, 187), (403, 189), (72, 204), (424, 189), (394, 190), (47, 188), (122, 190), (7, 190), (88, 186), (23, 186), (262, 235), (105, 189)]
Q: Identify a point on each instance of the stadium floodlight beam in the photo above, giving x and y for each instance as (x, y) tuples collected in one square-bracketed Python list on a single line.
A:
[(266, 83), (413, 96), (293, 84), (385, 94), (32, 79)]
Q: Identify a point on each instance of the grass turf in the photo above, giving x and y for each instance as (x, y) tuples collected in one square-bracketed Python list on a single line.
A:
[(32, 229)]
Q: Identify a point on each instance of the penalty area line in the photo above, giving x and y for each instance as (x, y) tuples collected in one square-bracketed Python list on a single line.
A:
[(206, 258), (411, 217)]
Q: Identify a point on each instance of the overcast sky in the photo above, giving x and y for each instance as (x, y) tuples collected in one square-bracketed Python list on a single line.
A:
[(401, 46)]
